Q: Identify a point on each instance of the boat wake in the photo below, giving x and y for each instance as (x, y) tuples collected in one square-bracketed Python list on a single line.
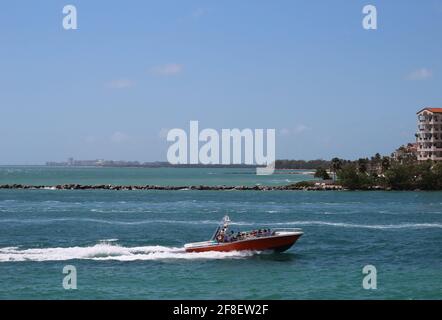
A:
[(111, 251)]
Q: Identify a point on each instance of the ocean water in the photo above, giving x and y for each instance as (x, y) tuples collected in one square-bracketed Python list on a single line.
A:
[(42, 175), (129, 244)]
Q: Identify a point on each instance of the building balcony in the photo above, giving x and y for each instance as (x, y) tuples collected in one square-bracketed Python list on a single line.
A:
[(429, 150), (429, 140)]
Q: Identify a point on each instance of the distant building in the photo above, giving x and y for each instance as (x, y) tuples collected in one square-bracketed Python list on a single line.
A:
[(71, 162), (429, 134), (407, 152)]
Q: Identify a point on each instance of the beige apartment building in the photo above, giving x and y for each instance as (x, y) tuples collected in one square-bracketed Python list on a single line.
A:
[(429, 134)]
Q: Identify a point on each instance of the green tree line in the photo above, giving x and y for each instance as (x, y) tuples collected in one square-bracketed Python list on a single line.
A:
[(395, 175), (301, 164)]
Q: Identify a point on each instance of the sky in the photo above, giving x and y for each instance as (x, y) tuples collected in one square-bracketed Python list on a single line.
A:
[(135, 69)]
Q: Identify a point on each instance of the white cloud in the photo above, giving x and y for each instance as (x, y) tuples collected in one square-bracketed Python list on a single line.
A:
[(284, 132), (420, 74), (300, 128), (169, 69), (121, 84), (199, 12), (119, 137)]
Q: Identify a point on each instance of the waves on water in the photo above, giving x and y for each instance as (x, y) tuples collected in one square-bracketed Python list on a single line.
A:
[(112, 222), (404, 225), (108, 251), (364, 226)]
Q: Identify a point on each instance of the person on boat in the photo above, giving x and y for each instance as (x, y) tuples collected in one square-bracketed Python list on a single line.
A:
[(220, 236)]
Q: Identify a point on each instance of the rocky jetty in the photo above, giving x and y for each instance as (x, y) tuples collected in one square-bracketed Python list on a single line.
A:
[(171, 188)]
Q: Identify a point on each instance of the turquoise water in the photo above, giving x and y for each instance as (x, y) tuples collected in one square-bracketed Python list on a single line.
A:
[(129, 244), (41, 175)]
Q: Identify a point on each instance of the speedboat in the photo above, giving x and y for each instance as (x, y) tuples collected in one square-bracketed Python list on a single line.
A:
[(224, 239)]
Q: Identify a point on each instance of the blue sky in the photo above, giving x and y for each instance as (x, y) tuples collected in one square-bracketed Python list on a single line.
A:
[(134, 69)]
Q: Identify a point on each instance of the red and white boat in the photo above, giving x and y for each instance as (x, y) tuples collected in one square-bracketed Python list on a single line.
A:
[(223, 239)]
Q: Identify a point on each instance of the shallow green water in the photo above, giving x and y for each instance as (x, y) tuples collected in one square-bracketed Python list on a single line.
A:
[(128, 244), (41, 175)]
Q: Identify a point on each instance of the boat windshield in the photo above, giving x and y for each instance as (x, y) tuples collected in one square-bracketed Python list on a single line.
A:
[(224, 234), (222, 230)]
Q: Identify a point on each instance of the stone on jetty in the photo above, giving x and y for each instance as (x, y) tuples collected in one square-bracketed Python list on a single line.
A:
[(305, 187)]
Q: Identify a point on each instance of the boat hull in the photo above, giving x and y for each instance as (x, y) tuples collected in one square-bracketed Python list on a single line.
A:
[(276, 243)]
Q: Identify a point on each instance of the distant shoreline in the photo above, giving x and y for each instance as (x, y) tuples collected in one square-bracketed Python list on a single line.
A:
[(280, 164)]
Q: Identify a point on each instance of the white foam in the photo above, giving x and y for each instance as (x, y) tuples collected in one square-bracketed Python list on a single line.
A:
[(108, 251), (108, 240)]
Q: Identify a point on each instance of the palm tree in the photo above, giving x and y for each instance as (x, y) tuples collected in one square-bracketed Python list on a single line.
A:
[(385, 164), (363, 165), (375, 164), (336, 164)]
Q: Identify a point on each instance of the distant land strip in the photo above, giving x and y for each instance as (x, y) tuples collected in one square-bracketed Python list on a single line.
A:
[(279, 164)]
